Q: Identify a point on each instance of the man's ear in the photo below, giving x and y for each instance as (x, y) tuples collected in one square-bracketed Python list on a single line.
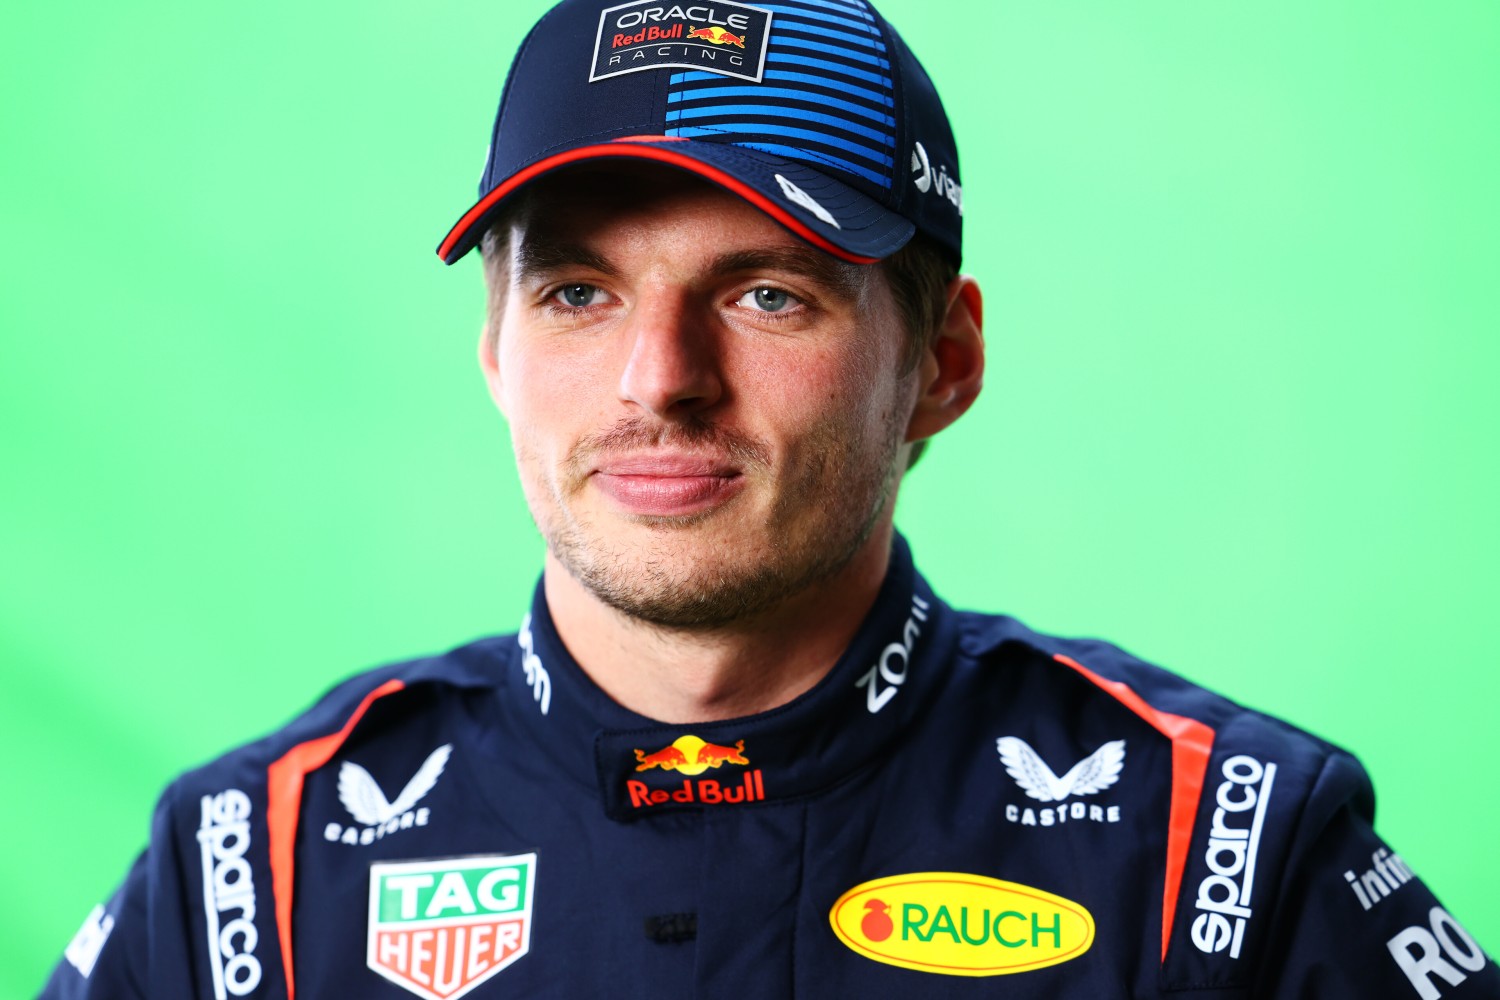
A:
[(952, 368), (489, 364)]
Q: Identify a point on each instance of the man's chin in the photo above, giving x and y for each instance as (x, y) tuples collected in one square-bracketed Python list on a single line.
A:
[(675, 578), (664, 596), (663, 524)]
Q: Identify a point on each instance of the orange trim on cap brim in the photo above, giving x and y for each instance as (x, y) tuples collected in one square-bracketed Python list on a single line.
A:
[(621, 148), (1192, 743)]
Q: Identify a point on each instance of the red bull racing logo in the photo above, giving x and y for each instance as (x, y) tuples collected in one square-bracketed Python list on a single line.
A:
[(719, 37), (691, 755)]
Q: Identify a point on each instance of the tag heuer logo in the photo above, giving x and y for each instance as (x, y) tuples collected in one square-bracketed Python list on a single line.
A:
[(440, 928)]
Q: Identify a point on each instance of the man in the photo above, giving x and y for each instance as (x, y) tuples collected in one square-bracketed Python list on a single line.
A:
[(739, 746)]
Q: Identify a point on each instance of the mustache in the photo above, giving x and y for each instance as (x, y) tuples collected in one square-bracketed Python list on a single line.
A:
[(638, 433)]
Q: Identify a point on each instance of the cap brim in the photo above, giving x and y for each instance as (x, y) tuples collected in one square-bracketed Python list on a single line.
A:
[(831, 216)]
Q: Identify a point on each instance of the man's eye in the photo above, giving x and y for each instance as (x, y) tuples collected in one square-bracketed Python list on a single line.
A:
[(767, 299), (576, 296)]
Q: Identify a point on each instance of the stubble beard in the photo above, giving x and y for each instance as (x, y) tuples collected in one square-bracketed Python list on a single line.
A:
[(742, 579)]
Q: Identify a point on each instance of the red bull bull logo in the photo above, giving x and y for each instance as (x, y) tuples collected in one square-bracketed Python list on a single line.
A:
[(717, 36), (692, 755)]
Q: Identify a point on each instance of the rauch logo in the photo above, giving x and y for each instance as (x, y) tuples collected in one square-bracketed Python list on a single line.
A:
[(440, 928), (956, 924)]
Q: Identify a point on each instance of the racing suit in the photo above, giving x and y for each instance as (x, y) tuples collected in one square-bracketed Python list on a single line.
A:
[(961, 807)]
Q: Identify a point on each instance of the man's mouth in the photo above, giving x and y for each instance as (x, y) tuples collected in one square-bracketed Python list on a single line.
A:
[(666, 484)]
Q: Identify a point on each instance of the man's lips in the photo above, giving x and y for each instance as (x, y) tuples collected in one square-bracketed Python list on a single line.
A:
[(667, 485)]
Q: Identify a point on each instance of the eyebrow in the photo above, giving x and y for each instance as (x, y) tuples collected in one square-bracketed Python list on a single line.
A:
[(540, 255), (823, 268), (537, 256)]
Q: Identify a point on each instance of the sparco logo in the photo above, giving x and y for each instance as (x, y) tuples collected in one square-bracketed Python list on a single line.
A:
[(223, 838), (1233, 843), (882, 681)]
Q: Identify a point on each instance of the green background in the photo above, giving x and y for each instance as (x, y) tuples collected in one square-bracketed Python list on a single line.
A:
[(1241, 265)]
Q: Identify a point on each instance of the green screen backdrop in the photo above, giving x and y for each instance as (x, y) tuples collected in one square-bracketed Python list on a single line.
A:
[(1241, 269)]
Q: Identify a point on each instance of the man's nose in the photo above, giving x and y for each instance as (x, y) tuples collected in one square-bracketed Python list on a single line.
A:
[(672, 368)]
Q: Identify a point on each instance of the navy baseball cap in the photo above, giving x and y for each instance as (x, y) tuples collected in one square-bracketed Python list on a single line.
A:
[(813, 111)]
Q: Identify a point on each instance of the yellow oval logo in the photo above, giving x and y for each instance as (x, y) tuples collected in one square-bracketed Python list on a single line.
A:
[(956, 924)]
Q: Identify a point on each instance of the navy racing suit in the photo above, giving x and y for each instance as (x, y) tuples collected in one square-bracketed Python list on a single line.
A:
[(961, 808)]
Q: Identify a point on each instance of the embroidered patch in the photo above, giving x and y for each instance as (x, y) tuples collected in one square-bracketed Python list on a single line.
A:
[(717, 37), (692, 755), (958, 924), (439, 928), (362, 795)]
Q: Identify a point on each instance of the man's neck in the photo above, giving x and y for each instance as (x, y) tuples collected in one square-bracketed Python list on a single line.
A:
[(681, 676)]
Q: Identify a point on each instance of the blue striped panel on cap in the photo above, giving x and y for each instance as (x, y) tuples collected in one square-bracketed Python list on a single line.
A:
[(826, 97)]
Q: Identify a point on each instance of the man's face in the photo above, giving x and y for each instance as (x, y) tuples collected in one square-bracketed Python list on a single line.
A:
[(707, 413)]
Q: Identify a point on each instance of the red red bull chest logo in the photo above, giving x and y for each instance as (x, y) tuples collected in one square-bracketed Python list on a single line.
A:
[(721, 37), (691, 755)]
